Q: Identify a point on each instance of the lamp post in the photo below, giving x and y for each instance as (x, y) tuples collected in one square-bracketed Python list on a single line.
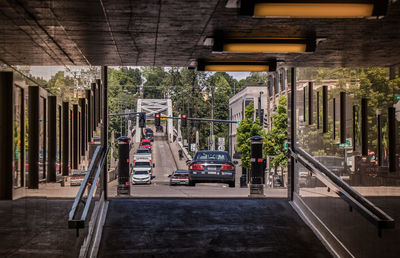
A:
[(259, 108)]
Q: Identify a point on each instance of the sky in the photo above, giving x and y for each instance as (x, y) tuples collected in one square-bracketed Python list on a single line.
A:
[(47, 71)]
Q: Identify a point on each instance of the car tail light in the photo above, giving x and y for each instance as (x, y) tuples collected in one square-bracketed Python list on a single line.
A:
[(196, 167), (127, 183), (127, 160), (227, 167), (183, 177), (81, 177)]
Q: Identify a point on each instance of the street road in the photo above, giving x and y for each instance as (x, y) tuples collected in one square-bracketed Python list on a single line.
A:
[(166, 162)]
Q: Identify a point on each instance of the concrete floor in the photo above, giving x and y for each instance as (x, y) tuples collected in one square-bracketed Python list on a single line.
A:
[(181, 227), (37, 227)]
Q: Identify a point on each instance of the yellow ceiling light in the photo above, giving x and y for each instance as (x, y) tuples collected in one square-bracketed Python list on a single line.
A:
[(264, 48), (264, 45), (236, 68), (233, 66), (313, 8)]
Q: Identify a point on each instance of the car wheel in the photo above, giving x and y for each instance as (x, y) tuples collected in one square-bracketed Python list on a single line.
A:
[(232, 184)]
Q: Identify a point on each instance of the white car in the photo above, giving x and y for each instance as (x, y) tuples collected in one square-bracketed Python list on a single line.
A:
[(141, 177)]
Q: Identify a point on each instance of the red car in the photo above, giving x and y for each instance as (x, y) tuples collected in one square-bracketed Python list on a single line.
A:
[(145, 144)]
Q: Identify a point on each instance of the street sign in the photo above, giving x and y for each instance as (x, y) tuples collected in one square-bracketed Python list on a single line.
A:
[(193, 147), (346, 145), (221, 141), (285, 145), (221, 147), (397, 97)]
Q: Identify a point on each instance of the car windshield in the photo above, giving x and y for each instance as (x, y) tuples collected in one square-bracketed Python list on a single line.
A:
[(142, 165), (143, 151), (141, 173), (180, 174), (217, 156)]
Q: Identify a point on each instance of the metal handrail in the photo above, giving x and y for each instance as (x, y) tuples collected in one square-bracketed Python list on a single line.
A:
[(366, 208), (95, 165)]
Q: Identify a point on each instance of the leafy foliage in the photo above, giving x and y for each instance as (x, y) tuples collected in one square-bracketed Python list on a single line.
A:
[(276, 137), (248, 128)]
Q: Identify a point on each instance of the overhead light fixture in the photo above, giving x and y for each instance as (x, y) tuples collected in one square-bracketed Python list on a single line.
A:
[(313, 8), (265, 45), (236, 66)]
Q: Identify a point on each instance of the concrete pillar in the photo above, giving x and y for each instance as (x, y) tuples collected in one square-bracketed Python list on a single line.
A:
[(22, 137), (104, 125), (59, 138), (88, 117), (6, 134), (44, 139), (93, 103), (52, 130), (65, 138), (75, 136), (71, 138), (82, 104), (98, 102), (33, 138)]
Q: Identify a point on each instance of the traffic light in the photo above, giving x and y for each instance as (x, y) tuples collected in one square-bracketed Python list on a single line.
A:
[(157, 119), (142, 119), (261, 117), (184, 120)]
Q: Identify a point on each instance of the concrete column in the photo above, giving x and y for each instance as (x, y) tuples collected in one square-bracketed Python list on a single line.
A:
[(98, 102), (88, 117), (22, 138), (65, 138), (71, 138), (93, 86), (6, 134), (75, 136), (104, 125), (52, 130), (82, 104), (44, 140), (33, 138), (60, 137)]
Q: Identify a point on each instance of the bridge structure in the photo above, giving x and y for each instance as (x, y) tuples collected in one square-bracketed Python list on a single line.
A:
[(152, 107)]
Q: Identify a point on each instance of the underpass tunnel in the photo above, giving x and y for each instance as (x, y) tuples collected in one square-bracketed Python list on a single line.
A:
[(322, 78)]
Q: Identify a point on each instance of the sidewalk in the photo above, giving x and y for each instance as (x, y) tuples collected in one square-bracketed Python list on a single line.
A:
[(180, 163)]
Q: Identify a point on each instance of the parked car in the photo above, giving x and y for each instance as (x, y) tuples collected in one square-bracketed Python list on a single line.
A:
[(141, 177), (179, 177), (77, 176), (212, 166)]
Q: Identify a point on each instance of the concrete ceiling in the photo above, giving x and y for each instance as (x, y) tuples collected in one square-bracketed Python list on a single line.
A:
[(171, 33)]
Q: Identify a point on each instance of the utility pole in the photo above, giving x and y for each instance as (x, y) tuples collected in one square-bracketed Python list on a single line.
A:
[(212, 140)]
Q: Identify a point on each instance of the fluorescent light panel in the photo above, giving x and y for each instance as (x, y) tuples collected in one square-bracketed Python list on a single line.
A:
[(226, 66), (264, 45), (264, 48), (314, 8)]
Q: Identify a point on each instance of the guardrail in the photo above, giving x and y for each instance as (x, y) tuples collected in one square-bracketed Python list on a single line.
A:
[(366, 208), (184, 150), (91, 178)]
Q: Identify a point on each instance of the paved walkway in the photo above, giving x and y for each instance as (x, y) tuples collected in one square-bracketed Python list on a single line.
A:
[(37, 227), (177, 227)]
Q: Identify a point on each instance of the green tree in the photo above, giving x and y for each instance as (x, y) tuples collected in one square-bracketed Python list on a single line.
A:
[(276, 137), (248, 128)]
